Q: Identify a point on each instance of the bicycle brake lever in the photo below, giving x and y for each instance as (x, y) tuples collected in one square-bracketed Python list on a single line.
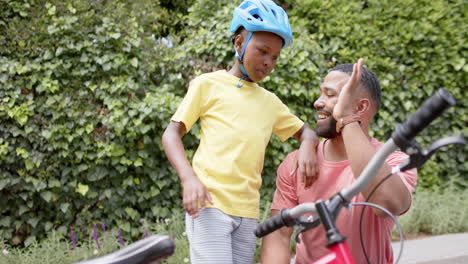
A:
[(419, 157), (305, 223)]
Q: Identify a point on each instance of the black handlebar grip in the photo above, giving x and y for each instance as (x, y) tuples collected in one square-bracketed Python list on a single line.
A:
[(427, 112), (274, 223)]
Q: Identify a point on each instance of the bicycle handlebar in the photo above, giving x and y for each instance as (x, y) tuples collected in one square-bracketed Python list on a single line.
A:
[(276, 222), (147, 250), (427, 112)]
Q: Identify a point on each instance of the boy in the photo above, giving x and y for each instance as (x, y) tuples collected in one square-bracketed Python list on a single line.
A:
[(221, 188)]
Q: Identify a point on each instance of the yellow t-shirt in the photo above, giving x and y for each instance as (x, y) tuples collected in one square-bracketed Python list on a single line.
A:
[(236, 126)]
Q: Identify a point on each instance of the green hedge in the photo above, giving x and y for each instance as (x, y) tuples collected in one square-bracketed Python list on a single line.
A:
[(87, 89)]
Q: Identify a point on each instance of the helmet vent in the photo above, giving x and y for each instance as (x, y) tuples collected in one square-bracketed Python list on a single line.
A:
[(258, 17)]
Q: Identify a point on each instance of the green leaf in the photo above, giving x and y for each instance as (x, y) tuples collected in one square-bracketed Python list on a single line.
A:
[(134, 62), (22, 209), (64, 207), (115, 35), (29, 240), (118, 151), (33, 221), (3, 183), (51, 9), (29, 164), (5, 221), (138, 162), (22, 152), (89, 128), (131, 212), (48, 226), (82, 188), (47, 196)]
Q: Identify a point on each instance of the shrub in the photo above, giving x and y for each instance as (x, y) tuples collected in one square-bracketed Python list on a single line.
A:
[(87, 89)]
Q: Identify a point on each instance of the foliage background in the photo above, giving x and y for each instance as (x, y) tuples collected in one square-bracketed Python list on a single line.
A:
[(87, 88)]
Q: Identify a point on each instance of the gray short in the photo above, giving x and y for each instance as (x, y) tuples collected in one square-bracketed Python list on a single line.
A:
[(216, 237)]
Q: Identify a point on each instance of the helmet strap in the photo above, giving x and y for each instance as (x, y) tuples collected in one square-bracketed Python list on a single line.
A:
[(241, 58)]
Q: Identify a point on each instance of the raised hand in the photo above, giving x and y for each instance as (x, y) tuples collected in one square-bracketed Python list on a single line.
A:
[(347, 100)]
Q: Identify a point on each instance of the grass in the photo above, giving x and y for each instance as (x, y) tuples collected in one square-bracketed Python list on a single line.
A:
[(432, 213), (437, 212)]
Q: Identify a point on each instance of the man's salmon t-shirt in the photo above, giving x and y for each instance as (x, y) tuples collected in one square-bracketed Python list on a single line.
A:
[(333, 177)]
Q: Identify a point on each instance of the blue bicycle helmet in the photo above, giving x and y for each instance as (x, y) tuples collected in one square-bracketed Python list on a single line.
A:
[(260, 15)]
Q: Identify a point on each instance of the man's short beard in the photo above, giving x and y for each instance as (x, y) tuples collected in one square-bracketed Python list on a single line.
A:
[(328, 131)]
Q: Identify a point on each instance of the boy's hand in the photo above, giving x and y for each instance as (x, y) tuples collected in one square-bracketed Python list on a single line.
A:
[(307, 156), (307, 164), (195, 193)]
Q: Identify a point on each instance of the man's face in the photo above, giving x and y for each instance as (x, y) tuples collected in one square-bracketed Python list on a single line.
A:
[(261, 53), (329, 91)]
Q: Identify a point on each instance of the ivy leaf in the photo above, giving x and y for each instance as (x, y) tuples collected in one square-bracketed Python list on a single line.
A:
[(3, 183), (115, 35), (48, 226), (64, 207), (134, 62), (22, 152), (118, 151), (131, 212), (29, 240), (138, 162), (33, 221), (82, 188), (47, 196), (5, 221)]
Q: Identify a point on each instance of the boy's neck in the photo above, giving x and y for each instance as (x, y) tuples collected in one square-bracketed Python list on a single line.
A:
[(236, 71)]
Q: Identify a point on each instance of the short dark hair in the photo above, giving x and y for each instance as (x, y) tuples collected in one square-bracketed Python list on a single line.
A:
[(238, 31), (368, 80)]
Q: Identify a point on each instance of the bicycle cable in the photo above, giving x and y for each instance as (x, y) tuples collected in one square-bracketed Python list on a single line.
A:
[(362, 215), (394, 220)]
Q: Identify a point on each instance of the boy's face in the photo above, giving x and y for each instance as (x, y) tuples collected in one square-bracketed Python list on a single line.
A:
[(261, 53)]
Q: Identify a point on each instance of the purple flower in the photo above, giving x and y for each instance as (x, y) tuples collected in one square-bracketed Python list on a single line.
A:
[(104, 228), (73, 239), (146, 232), (95, 237), (121, 241)]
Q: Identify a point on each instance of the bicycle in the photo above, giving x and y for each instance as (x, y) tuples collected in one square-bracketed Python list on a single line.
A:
[(325, 212), (151, 249), (158, 247)]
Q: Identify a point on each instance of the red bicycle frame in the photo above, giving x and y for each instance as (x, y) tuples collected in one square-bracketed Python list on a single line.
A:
[(340, 254)]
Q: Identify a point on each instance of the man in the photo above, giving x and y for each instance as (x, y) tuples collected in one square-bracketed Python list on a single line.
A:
[(349, 99)]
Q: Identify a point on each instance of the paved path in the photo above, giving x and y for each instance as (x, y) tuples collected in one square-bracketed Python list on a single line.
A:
[(444, 249)]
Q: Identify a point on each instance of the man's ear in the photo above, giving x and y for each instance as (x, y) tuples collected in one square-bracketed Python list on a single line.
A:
[(364, 106)]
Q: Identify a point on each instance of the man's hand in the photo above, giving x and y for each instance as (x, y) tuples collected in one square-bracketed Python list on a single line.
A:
[(195, 194), (307, 156), (346, 100)]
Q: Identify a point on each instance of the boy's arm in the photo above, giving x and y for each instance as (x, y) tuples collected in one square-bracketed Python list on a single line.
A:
[(194, 191), (307, 157), (275, 246)]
